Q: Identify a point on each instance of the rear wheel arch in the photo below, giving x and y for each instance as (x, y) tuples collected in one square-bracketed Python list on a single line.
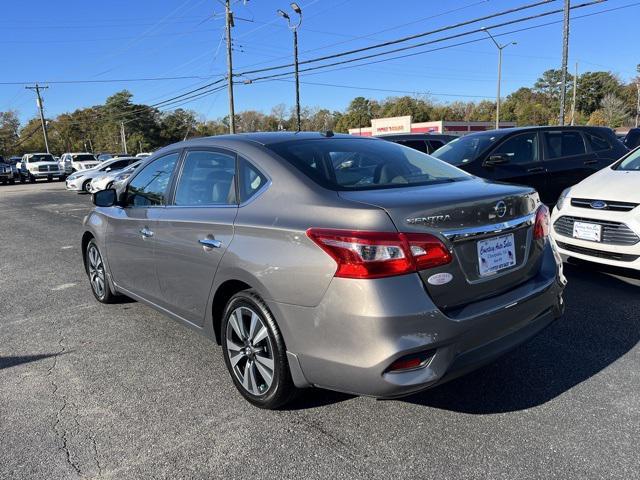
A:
[(223, 294)]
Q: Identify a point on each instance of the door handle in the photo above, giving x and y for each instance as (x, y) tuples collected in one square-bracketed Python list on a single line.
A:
[(145, 232), (590, 162), (210, 243), (535, 170)]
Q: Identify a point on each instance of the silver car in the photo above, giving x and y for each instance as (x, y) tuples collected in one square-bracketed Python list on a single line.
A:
[(331, 261), (80, 181), (112, 178)]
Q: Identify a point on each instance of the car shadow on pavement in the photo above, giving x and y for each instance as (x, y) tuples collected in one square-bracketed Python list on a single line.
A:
[(599, 326), (8, 362)]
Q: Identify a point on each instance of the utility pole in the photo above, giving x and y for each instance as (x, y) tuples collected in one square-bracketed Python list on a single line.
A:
[(638, 104), (500, 48), (229, 24), (37, 89), (565, 56), (123, 138), (294, 28), (573, 104)]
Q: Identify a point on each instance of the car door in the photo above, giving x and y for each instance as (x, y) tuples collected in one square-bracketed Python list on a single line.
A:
[(194, 231), (567, 160), (517, 160), (131, 235)]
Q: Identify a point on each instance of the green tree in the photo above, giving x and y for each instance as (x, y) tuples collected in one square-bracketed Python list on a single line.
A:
[(9, 128), (592, 87)]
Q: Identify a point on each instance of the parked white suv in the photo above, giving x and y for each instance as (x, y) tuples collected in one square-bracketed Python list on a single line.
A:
[(74, 162), (598, 220), (39, 165)]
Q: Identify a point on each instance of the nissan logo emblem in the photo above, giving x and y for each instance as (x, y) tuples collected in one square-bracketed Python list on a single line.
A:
[(500, 209)]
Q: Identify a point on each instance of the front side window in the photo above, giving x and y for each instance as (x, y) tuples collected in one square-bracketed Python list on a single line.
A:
[(149, 187), (208, 178), (564, 144), (84, 157), (520, 149), (356, 164)]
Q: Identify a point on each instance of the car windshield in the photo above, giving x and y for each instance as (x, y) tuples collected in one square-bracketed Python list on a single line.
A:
[(355, 164), (631, 163), (41, 158), (465, 149), (104, 156), (84, 157)]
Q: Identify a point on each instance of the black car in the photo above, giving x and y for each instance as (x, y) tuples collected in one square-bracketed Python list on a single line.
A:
[(424, 142), (8, 173), (548, 159), (632, 138)]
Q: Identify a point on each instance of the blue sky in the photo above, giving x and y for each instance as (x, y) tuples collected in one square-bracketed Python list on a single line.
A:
[(117, 39)]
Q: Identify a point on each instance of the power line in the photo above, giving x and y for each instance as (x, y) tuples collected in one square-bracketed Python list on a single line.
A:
[(406, 38), (409, 47)]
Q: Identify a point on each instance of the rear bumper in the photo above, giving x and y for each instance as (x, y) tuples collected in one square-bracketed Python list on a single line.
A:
[(360, 327)]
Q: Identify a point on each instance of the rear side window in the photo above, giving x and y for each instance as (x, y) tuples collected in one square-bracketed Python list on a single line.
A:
[(434, 145), (149, 187), (521, 148), (358, 164), (118, 165), (598, 142), (564, 144), (415, 144), (251, 180), (208, 178)]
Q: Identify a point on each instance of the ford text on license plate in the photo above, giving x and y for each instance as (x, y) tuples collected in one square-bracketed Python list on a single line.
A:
[(495, 254)]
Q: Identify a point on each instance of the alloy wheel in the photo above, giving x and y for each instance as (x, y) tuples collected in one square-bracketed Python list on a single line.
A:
[(250, 351), (96, 271)]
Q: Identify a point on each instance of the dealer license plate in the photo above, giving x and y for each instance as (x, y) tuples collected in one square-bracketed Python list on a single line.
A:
[(495, 254)]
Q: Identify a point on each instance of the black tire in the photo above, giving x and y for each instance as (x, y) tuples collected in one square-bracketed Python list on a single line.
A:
[(104, 294), (85, 185), (49, 178), (281, 390), (12, 181), (32, 179), (62, 178)]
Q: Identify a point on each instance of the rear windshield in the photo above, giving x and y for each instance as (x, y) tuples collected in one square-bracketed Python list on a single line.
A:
[(465, 149), (41, 158), (84, 157), (632, 162), (352, 164)]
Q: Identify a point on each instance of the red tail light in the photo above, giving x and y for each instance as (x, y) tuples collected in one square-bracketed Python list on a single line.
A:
[(541, 227), (361, 254)]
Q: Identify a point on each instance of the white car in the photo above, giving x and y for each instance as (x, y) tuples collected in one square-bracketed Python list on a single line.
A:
[(39, 165), (598, 219), (112, 178), (74, 162), (81, 181)]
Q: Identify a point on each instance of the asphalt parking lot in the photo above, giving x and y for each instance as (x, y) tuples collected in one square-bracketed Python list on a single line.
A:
[(119, 391)]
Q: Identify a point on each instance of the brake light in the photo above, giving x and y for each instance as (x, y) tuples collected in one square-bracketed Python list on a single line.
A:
[(541, 227), (363, 254)]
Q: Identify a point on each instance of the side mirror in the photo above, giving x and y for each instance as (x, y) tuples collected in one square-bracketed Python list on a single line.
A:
[(105, 198), (497, 159)]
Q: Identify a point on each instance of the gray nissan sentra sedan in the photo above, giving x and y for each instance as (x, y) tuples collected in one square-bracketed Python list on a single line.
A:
[(325, 260)]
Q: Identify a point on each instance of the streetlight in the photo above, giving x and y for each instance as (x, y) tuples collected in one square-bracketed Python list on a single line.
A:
[(500, 48), (294, 28)]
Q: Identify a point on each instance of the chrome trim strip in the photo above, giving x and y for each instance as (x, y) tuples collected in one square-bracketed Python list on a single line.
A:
[(476, 232)]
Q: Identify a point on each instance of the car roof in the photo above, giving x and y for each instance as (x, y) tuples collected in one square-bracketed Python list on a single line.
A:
[(507, 131), (267, 138)]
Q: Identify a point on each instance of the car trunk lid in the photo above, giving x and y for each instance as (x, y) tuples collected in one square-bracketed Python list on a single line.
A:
[(477, 220)]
